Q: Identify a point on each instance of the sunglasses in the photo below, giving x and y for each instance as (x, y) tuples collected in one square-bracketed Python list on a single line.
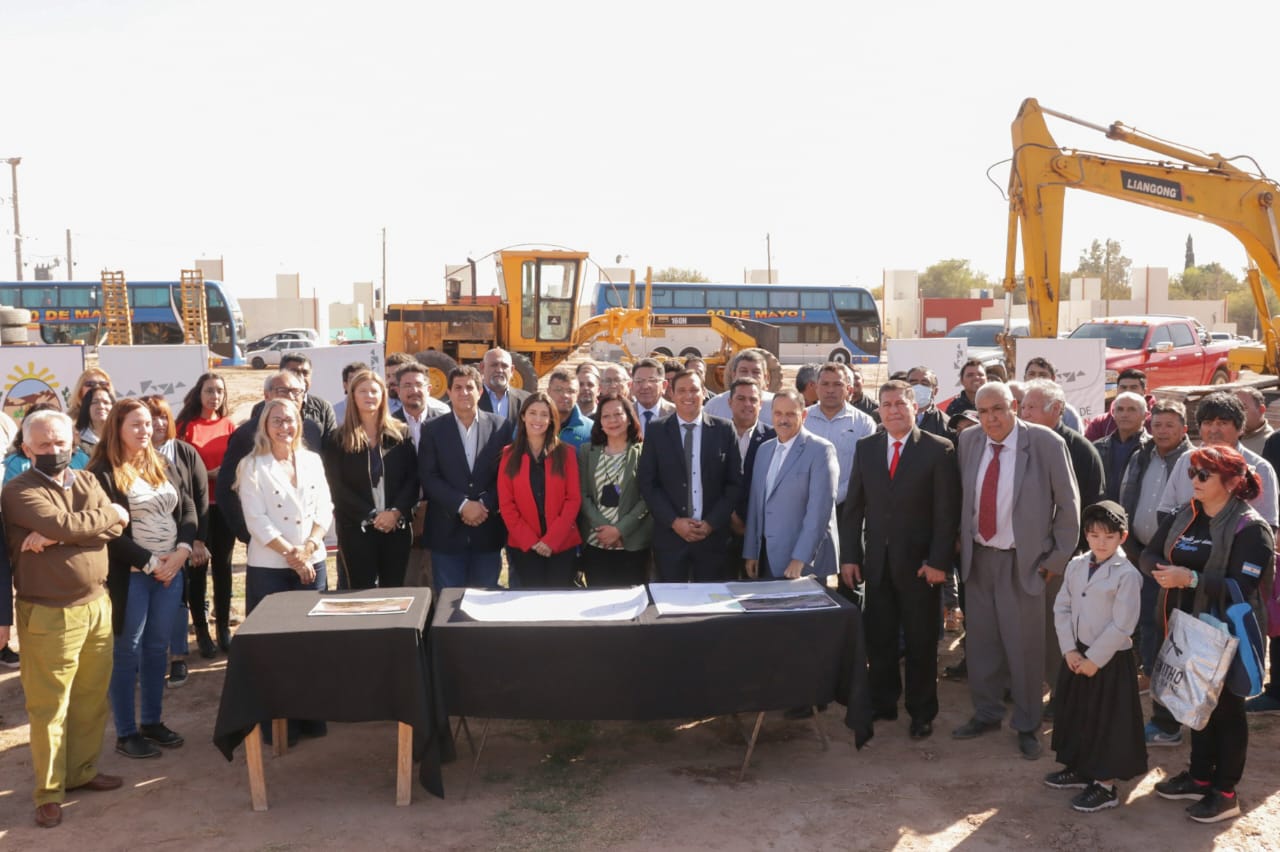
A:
[(1200, 474), (96, 384)]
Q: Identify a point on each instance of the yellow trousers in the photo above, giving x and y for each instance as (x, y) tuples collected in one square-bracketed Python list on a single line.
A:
[(66, 666)]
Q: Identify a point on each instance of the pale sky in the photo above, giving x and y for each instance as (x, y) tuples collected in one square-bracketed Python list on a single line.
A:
[(282, 136)]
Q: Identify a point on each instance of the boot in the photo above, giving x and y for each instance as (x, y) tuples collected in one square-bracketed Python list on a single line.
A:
[(224, 633), (207, 650)]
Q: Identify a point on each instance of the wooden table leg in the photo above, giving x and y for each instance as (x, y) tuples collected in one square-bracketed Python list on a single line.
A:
[(257, 780), (751, 745), (404, 766), (279, 737)]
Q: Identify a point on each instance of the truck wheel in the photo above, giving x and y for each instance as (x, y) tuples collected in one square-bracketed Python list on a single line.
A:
[(1220, 377), (15, 316), (523, 376), (259, 364), (438, 366)]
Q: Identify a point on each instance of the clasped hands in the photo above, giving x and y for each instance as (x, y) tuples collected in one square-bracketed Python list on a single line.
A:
[(474, 513), (1172, 576), (299, 558), (1080, 664)]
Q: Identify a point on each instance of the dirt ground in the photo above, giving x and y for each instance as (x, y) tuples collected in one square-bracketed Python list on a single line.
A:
[(670, 785)]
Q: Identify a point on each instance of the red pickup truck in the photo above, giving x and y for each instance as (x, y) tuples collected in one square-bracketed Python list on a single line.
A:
[(1171, 350)]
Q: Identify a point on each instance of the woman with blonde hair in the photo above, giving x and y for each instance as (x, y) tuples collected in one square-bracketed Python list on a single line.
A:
[(143, 572), (91, 379), (373, 476)]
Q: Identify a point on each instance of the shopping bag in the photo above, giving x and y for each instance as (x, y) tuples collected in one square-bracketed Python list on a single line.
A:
[(1191, 668), (1244, 678)]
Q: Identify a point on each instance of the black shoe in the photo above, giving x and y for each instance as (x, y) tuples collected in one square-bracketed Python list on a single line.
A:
[(975, 727), (1181, 786), (1029, 745), (224, 638), (890, 715), (1095, 798), (177, 674), (959, 671), (9, 658), (161, 735), (1065, 779), (1215, 807), (207, 649), (136, 747), (920, 729)]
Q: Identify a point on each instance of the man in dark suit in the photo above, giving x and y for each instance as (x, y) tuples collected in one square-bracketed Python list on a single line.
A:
[(417, 408), (745, 399), (458, 459), (497, 396), (905, 492), (690, 477)]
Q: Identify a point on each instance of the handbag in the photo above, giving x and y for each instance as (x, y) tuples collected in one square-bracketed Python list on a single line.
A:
[(1270, 594), (1191, 668), (1244, 678)]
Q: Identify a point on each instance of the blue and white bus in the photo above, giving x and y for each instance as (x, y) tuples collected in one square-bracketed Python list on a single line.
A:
[(70, 311), (815, 322)]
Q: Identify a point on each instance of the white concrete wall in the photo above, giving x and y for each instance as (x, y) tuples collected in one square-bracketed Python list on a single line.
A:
[(901, 305), (263, 316)]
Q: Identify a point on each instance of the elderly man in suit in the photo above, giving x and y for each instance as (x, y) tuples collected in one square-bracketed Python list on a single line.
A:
[(497, 396), (458, 457), (1019, 521), (690, 476), (905, 492), (791, 514)]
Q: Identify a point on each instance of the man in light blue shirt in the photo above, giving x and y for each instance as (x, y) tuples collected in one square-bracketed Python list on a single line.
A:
[(838, 421)]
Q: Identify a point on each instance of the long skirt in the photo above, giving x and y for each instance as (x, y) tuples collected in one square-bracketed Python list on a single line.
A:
[(1097, 721)]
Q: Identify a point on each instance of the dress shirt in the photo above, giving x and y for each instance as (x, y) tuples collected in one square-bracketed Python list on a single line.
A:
[(779, 456), (1004, 538), (695, 475), (654, 413), (849, 426), (414, 424), (744, 444), (1146, 519), (501, 405), (902, 451), (470, 436)]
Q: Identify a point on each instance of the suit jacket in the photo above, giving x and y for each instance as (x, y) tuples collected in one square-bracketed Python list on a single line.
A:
[(195, 479), (797, 519), (1101, 612), (759, 435), (447, 482), (664, 481), (665, 409), (1046, 503), (275, 508), (561, 500), (909, 520), (351, 483), (634, 521), (513, 404), (1086, 465)]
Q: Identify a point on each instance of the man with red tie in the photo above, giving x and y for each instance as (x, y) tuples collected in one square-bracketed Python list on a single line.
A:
[(1019, 521), (904, 492)]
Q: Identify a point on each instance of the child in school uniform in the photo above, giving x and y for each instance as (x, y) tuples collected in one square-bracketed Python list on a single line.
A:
[(1097, 731)]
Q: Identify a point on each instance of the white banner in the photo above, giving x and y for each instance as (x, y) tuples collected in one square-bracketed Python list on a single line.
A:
[(34, 374), (170, 371), (944, 355), (1081, 367), (327, 363)]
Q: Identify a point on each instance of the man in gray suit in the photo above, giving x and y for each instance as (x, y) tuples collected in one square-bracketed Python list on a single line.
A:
[(1019, 520), (791, 514)]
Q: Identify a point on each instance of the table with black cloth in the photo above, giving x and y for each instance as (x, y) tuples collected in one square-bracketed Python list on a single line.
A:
[(668, 667), (284, 664)]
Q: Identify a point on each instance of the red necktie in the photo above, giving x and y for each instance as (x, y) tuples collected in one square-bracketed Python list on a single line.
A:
[(893, 463), (987, 500)]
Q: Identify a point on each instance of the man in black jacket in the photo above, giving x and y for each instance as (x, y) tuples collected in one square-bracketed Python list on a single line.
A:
[(924, 386)]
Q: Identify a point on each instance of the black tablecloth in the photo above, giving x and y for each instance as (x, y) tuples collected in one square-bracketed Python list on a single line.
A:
[(341, 668), (652, 667)]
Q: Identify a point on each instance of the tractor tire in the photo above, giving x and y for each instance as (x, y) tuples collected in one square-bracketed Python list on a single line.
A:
[(662, 352), (775, 370), (15, 317), (522, 375), (690, 351), (715, 378), (13, 334), (438, 367)]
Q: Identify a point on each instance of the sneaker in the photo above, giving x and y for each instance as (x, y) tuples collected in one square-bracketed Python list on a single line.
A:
[(177, 674), (1144, 684), (1157, 737), (1258, 704), (1215, 807), (8, 657), (1095, 798), (161, 735), (1181, 786), (136, 747), (1065, 779)]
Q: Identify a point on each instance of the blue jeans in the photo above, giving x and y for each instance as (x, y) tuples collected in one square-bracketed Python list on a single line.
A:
[(1150, 628), (474, 570), (141, 651), (178, 639), (260, 582)]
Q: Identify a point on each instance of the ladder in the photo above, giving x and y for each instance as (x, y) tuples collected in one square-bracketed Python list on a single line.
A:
[(195, 313), (115, 310)]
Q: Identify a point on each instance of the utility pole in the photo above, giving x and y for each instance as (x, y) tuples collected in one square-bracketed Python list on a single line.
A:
[(17, 226), (70, 274), (768, 256), (383, 291)]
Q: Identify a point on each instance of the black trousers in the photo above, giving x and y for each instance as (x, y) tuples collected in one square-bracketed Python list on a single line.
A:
[(705, 562), (531, 571), (606, 568), (221, 543), (907, 608), (1218, 752), (374, 558)]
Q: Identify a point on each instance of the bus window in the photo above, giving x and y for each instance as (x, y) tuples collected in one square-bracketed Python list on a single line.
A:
[(847, 300), (213, 298), (784, 299), (726, 298), (753, 298), (10, 296), (788, 334), (661, 297), (33, 298), (690, 298), (613, 296), (149, 297), (78, 297), (815, 302), (819, 333)]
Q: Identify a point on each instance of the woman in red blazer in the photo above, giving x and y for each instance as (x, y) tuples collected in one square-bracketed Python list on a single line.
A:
[(539, 495)]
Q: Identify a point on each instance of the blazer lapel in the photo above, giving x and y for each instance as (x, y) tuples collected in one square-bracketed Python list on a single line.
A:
[(799, 443), (1023, 459)]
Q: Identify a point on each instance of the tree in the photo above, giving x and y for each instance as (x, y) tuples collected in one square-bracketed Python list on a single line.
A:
[(951, 279), (675, 273), (1210, 281), (1191, 255), (1105, 260)]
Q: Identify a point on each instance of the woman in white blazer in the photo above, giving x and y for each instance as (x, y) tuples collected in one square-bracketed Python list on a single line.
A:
[(287, 507)]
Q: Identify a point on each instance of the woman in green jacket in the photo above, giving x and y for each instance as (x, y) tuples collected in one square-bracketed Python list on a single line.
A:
[(616, 526)]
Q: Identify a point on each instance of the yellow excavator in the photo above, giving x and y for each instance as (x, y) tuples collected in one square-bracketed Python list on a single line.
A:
[(1204, 186)]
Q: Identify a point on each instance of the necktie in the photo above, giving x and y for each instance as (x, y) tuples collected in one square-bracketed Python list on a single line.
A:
[(648, 416), (688, 463), (776, 465), (987, 500), (893, 463)]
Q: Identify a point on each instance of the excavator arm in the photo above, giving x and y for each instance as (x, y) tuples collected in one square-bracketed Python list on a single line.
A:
[(1202, 186)]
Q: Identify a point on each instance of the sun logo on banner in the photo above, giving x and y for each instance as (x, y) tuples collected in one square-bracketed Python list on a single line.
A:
[(27, 387)]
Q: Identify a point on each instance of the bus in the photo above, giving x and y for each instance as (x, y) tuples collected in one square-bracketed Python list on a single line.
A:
[(815, 322), (69, 312)]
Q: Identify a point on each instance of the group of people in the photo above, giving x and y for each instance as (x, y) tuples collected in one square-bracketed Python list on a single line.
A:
[(615, 476)]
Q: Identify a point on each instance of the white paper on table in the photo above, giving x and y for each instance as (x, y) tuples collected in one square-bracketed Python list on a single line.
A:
[(693, 598), (555, 605), (806, 585)]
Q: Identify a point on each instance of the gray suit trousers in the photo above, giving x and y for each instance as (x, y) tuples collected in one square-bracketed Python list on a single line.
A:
[(1004, 642)]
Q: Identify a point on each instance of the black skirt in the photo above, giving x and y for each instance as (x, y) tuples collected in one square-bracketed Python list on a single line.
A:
[(1097, 721)]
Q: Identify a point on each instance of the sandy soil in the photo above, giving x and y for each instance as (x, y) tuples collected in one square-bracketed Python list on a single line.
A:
[(617, 785)]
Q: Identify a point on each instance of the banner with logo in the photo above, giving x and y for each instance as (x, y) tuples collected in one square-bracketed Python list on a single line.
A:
[(165, 370), (944, 355), (327, 363), (1081, 367), (34, 374)]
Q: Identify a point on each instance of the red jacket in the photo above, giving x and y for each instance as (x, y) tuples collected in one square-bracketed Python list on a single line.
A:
[(563, 500)]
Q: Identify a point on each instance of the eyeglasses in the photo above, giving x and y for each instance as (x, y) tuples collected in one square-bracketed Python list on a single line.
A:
[(1199, 473), (293, 392), (281, 422)]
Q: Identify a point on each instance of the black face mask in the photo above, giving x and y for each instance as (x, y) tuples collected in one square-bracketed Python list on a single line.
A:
[(53, 464)]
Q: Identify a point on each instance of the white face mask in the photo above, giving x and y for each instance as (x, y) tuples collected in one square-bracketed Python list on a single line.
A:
[(923, 394)]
